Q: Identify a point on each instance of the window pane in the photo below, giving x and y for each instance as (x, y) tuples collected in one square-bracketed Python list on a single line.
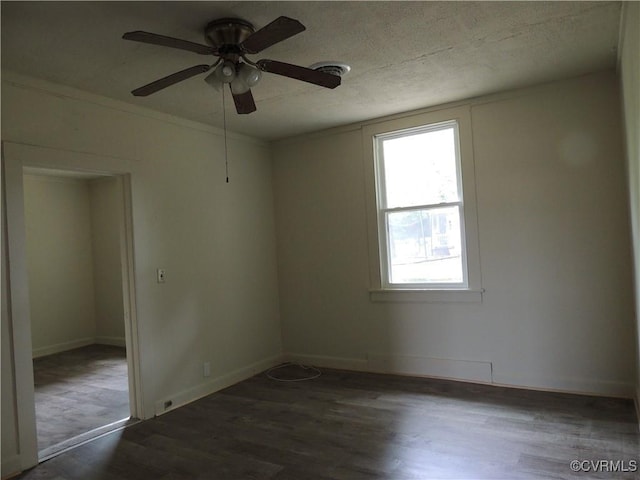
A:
[(420, 169), (425, 246)]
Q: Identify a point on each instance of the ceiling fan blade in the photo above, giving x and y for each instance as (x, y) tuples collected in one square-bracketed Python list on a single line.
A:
[(244, 102), (155, 39), (299, 73), (169, 80), (278, 30)]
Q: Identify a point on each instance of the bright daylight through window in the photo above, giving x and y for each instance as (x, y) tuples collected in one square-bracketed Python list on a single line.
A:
[(420, 208)]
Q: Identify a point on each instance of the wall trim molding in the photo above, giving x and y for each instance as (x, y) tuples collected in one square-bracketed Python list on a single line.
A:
[(426, 296), (114, 341), (471, 371), (82, 342), (624, 12), (179, 399), (578, 386), (470, 102), (339, 363), (17, 156), (62, 347), (32, 83), (406, 365), (11, 466), (453, 369)]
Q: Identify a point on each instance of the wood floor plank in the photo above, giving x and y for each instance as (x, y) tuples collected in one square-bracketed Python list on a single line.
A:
[(356, 426), (79, 390)]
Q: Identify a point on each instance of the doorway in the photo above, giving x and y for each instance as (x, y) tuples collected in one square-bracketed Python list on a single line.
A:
[(20, 161), (72, 223)]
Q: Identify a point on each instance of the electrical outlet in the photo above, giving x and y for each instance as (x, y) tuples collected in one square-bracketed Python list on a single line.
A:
[(206, 369), (161, 275)]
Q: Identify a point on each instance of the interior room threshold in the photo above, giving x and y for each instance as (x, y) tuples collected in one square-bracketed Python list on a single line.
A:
[(73, 442)]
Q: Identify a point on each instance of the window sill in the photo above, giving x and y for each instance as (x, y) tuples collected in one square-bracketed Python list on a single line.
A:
[(426, 296)]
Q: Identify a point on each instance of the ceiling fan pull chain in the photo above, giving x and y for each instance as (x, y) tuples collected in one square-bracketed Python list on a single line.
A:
[(224, 124)]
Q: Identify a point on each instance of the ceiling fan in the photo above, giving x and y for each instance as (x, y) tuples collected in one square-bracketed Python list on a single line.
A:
[(231, 40)]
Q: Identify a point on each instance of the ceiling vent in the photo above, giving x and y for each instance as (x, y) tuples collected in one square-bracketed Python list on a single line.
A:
[(339, 69)]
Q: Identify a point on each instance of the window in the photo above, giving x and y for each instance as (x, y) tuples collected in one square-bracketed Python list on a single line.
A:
[(421, 217), (425, 229)]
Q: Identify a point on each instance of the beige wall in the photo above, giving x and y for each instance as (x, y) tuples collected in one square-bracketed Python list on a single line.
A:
[(106, 217), (215, 240), (554, 251), (60, 263), (630, 79), (73, 249)]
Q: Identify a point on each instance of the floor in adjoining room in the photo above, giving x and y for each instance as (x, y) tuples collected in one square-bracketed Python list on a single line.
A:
[(78, 391), (355, 426)]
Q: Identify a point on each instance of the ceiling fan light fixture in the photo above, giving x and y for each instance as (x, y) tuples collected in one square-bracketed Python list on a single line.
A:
[(249, 75), (225, 72), (213, 80), (238, 87), (246, 78)]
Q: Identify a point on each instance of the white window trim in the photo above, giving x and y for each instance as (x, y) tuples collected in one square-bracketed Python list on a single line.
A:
[(384, 210), (380, 290)]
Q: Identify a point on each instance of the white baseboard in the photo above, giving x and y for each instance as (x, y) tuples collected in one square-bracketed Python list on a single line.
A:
[(465, 370), (11, 466), (83, 342), (338, 363), (468, 371), (582, 386), (115, 341), (207, 388), (62, 347)]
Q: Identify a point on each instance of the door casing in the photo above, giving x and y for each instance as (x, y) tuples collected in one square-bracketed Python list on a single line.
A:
[(15, 158)]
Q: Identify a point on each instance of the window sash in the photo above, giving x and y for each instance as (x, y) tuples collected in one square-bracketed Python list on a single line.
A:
[(381, 188), (385, 253), (384, 211)]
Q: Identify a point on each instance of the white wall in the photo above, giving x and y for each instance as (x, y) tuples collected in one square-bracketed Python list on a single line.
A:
[(73, 249), (215, 240), (106, 215), (630, 79), (554, 251), (60, 263)]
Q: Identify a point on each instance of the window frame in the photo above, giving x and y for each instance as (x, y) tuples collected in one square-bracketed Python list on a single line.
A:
[(381, 290), (384, 209)]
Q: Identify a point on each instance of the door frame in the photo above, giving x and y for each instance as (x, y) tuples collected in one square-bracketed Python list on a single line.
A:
[(16, 157)]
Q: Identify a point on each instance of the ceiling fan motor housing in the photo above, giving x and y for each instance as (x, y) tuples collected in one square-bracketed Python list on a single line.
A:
[(228, 34)]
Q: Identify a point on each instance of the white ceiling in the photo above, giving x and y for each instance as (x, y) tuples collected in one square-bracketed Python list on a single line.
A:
[(404, 55)]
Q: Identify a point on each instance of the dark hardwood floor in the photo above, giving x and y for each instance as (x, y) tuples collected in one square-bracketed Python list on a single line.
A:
[(78, 391), (346, 425)]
